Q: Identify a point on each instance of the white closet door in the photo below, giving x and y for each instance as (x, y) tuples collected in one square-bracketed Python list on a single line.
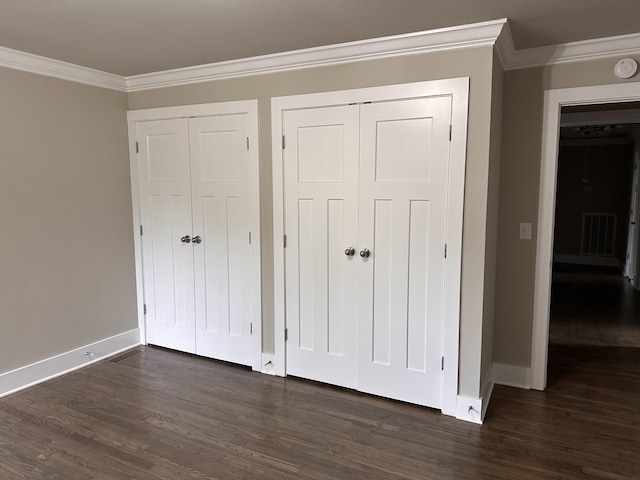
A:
[(221, 213), (321, 185), (403, 193), (165, 198)]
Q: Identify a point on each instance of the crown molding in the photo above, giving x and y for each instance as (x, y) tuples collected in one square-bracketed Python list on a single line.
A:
[(28, 62), (496, 33), (504, 46), (443, 39), (596, 49)]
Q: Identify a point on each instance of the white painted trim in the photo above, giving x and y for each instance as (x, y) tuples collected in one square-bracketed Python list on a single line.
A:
[(594, 49), (504, 46), (458, 88), (487, 391), (469, 409), (199, 110), (442, 39), (453, 265), (491, 33), (278, 105), (29, 375), (472, 409), (554, 100), (49, 67), (137, 222), (249, 107), (512, 375), (256, 236), (268, 364)]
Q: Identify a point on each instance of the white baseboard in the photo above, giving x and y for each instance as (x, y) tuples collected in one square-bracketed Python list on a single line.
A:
[(29, 375), (471, 409), (486, 392), (512, 375), (268, 364)]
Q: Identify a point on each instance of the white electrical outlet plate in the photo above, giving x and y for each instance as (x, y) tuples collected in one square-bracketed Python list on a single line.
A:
[(525, 231)]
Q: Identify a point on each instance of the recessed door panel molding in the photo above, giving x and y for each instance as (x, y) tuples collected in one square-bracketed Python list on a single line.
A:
[(219, 178), (321, 213), (165, 201), (402, 152), (403, 149), (388, 222), (196, 205)]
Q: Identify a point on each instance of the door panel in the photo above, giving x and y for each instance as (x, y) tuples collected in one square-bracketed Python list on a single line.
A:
[(402, 220), (163, 165), (371, 176), (219, 181), (321, 184)]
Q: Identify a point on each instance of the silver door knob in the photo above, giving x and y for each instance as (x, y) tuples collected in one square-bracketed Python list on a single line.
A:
[(197, 239), (365, 253), (186, 239), (350, 252)]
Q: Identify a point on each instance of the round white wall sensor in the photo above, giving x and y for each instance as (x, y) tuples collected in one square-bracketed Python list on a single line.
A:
[(626, 68)]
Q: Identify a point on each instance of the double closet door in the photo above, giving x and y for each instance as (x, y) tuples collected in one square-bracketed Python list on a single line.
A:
[(194, 177), (365, 199)]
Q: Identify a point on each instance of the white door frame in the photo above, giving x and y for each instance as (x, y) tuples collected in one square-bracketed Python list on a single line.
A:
[(458, 88), (632, 238), (250, 108), (554, 100)]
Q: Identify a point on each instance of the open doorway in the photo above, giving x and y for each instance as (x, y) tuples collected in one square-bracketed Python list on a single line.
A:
[(594, 300), (593, 99)]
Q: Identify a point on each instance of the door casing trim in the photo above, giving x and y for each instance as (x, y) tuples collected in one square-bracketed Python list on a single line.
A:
[(458, 89), (554, 100), (250, 108)]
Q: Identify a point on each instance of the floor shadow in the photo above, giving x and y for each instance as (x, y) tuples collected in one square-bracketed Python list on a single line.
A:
[(593, 306)]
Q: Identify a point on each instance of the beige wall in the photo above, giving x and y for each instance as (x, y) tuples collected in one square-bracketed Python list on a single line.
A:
[(474, 63), (493, 190), (519, 185), (66, 266)]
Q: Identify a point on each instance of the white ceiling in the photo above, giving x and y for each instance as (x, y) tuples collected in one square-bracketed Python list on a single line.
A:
[(130, 37)]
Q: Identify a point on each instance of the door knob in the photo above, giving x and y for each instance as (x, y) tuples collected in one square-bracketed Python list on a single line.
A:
[(186, 239), (350, 252), (197, 239), (365, 253)]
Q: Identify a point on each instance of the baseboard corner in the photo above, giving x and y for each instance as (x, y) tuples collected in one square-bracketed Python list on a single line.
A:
[(512, 375), (469, 409)]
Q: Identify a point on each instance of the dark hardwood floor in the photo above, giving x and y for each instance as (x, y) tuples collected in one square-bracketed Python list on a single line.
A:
[(157, 414), (593, 306)]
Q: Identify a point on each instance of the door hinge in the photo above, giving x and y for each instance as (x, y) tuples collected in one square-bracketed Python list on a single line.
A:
[(144, 308), (251, 328), (249, 238), (137, 148), (140, 229), (283, 142), (247, 143), (286, 334), (284, 243), (445, 250), (442, 364), (450, 131)]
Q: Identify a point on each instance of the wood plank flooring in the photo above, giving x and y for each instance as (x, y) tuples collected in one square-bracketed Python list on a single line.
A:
[(157, 414), (593, 306)]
